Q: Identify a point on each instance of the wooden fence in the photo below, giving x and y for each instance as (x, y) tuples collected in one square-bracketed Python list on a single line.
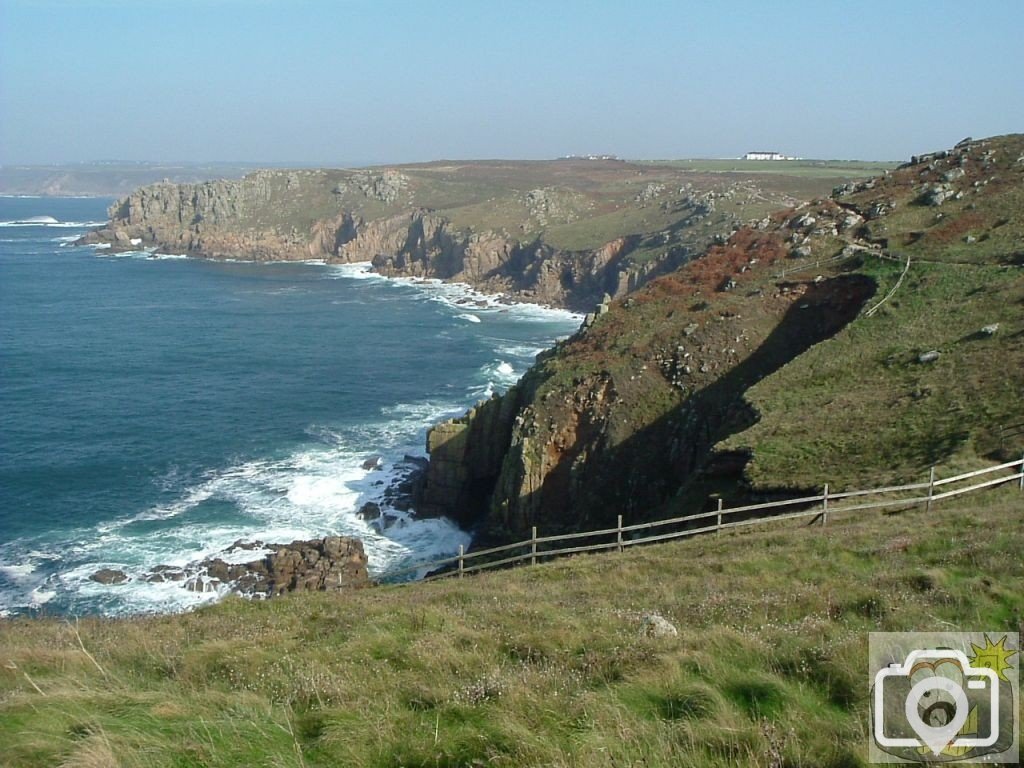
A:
[(820, 507)]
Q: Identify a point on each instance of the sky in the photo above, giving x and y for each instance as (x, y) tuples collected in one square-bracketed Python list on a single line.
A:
[(354, 81)]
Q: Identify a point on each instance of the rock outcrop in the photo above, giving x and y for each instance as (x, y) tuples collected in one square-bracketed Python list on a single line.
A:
[(466, 457), (109, 576), (334, 563)]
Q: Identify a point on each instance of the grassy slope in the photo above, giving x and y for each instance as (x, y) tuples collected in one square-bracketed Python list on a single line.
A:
[(537, 666), (859, 407)]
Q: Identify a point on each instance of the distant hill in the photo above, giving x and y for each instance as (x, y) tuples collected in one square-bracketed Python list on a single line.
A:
[(107, 179)]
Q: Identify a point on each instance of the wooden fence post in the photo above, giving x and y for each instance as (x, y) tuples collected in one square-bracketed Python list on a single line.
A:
[(533, 545), (718, 519), (618, 533), (931, 490), (824, 507), (461, 553)]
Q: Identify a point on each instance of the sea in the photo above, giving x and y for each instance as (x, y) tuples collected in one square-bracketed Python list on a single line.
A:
[(156, 409)]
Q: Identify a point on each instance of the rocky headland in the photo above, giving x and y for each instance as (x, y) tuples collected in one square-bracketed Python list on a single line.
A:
[(740, 372), (562, 233)]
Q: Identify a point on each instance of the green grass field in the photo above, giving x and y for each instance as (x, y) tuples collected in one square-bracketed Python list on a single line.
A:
[(822, 169), (543, 665)]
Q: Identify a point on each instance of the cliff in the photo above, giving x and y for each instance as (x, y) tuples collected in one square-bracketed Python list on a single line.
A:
[(561, 233), (802, 350)]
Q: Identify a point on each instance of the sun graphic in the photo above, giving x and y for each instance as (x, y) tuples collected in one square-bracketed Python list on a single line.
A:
[(994, 656)]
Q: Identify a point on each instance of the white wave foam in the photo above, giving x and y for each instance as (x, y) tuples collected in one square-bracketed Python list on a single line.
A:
[(40, 596), (357, 270), (53, 223), (470, 318), (311, 493), (525, 351), (458, 296), (18, 572)]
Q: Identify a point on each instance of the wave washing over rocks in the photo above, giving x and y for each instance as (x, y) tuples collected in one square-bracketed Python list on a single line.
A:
[(50, 221), (354, 481)]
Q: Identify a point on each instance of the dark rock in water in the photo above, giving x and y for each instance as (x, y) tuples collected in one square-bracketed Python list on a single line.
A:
[(328, 564), (389, 520), (421, 462), (109, 576), (162, 573), (202, 584), (243, 545), (404, 492), (371, 463), (369, 511)]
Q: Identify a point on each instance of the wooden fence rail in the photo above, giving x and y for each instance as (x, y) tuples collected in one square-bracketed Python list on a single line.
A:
[(818, 507)]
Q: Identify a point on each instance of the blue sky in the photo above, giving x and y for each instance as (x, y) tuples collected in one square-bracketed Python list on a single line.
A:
[(389, 81)]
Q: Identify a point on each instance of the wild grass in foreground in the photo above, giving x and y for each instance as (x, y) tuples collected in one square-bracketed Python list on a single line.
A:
[(535, 666)]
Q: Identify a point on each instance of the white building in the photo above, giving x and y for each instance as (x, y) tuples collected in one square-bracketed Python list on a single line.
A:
[(765, 156)]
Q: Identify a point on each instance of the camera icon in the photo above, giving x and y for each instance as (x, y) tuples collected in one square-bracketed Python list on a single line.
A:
[(936, 699)]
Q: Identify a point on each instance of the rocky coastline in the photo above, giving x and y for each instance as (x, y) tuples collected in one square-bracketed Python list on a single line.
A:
[(375, 216), (634, 414), (330, 564)]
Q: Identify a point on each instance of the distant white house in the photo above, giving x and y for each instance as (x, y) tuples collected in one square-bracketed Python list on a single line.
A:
[(766, 156)]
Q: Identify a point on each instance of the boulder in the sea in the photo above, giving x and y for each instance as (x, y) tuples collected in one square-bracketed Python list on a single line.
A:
[(374, 462), (369, 511), (109, 576), (329, 564)]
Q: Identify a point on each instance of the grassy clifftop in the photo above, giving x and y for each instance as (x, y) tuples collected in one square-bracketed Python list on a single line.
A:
[(936, 374), (545, 665)]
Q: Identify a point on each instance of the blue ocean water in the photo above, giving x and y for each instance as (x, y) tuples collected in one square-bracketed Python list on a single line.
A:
[(155, 410)]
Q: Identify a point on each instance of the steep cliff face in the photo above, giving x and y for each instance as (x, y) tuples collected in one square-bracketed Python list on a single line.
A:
[(260, 217), (738, 373), (618, 419), (229, 219)]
